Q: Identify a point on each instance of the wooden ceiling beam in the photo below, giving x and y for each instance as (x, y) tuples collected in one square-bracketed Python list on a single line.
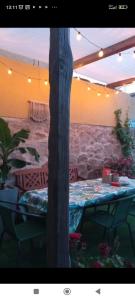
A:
[(111, 50), (121, 82)]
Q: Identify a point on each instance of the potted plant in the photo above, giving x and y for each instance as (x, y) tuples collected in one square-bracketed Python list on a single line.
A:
[(10, 143)]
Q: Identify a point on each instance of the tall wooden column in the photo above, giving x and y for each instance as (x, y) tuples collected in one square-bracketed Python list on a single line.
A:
[(60, 76)]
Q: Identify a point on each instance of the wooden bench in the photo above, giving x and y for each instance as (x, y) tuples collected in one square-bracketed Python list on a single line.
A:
[(37, 178), (31, 179), (73, 174)]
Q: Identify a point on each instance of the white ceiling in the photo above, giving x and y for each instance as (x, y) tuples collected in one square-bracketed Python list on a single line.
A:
[(34, 43), (109, 69), (103, 37)]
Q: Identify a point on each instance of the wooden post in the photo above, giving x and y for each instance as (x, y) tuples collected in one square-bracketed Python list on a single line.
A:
[(60, 76)]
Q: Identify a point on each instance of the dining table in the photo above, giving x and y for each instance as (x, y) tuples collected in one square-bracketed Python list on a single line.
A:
[(82, 195)]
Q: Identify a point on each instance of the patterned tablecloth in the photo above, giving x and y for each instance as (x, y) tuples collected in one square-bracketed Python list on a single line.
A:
[(82, 194)]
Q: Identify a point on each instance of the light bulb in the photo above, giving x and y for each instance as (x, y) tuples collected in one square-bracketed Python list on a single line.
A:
[(107, 95), (98, 94), (29, 80), (101, 53), (120, 57), (46, 82), (117, 92), (89, 88), (10, 71), (78, 36)]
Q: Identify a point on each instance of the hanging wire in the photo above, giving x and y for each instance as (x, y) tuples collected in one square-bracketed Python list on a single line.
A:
[(90, 85), (93, 86), (96, 45), (20, 73), (90, 42)]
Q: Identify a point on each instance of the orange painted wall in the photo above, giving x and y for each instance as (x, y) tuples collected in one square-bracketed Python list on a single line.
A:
[(86, 107), (15, 91)]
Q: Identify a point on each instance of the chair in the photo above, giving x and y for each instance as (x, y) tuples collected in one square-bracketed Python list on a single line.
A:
[(9, 195), (24, 231), (131, 211), (73, 174), (111, 221)]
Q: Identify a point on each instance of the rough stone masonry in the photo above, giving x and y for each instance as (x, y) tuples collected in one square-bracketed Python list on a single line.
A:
[(91, 146)]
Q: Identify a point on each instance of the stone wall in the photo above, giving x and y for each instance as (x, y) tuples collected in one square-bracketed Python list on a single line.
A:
[(38, 138), (90, 146)]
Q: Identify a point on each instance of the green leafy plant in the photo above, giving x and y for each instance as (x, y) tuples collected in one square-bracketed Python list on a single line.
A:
[(123, 134), (8, 144)]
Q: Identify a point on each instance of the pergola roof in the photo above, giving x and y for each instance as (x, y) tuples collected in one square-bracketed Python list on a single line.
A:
[(34, 43), (109, 69)]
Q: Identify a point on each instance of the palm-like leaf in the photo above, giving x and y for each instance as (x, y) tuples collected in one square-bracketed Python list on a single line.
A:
[(22, 150), (5, 134), (10, 143), (17, 163), (34, 153), (2, 149), (19, 137), (5, 168)]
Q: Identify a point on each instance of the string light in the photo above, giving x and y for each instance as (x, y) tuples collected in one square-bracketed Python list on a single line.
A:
[(101, 53), (10, 71), (120, 57), (107, 92), (78, 36), (117, 92), (46, 82), (29, 80)]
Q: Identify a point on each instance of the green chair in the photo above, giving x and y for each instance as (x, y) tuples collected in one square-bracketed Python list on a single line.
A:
[(111, 221), (131, 211), (9, 194), (24, 231)]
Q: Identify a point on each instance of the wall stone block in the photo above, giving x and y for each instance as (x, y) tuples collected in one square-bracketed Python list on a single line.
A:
[(90, 146)]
